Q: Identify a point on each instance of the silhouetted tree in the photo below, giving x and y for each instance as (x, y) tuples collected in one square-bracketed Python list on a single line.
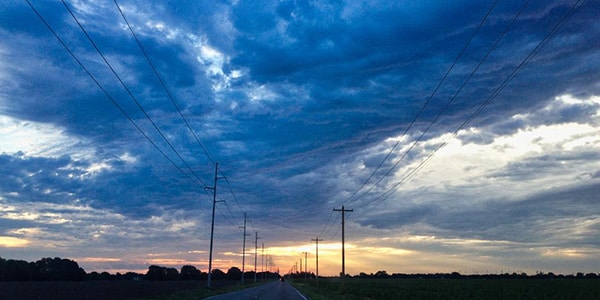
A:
[(55, 269), (217, 274), (381, 274), (190, 273), (234, 273), (17, 270), (161, 273)]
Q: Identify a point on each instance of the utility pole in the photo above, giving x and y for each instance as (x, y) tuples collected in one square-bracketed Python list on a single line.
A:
[(343, 210), (212, 226), (317, 240), (244, 249), (262, 262), (305, 263), (255, 252)]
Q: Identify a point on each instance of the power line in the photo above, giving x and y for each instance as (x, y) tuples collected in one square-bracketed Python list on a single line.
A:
[(104, 91), (131, 94), (232, 193), (420, 111), (172, 99), (231, 213), (326, 224), (486, 102), (163, 83), (455, 95)]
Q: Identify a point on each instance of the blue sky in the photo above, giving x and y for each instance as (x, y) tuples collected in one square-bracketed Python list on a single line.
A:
[(465, 135)]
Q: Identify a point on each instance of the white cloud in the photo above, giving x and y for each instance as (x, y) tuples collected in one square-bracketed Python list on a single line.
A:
[(557, 147), (32, 138), (41, 140)]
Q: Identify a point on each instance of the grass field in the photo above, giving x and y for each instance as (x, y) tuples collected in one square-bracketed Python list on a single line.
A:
[(115, 289), (448, 289), (329, 288)]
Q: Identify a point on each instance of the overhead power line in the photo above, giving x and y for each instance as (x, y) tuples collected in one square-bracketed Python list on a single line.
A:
[(435, 90), (352, 198), (162, 83), (104, 91), (172, 99), (458, 91), (133, 98), (485, 103)]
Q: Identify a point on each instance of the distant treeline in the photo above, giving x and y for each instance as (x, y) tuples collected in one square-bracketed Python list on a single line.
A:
[(60, 269), (456, 275), (45, 269)]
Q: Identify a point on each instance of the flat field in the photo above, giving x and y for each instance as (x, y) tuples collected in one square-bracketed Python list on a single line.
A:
[(448, 289), (111, 289)]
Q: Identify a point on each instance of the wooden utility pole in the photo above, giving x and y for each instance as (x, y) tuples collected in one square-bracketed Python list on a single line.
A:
[(343, 210), (244, 249), (305, 265), (317, 240), (255, 252), (212, 226)]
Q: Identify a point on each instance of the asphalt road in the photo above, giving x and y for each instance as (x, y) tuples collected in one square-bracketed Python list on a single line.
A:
[(270, 291)]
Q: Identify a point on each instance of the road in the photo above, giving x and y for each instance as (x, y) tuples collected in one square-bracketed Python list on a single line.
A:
[(270, 291)]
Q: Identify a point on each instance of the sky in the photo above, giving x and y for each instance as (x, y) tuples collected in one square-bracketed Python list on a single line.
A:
[(462, 135)]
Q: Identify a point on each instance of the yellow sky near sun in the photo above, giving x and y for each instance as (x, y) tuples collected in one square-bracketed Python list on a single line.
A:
[(12, 242)]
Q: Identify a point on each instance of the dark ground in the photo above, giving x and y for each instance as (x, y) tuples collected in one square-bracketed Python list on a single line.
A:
[(96, 290)]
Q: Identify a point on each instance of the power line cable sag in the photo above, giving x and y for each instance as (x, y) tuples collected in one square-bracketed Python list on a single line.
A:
[(133, 98), (172, 99), (162, 83), (484, 104), (458, 91), (105, 92), (422, 109), (442, 80)]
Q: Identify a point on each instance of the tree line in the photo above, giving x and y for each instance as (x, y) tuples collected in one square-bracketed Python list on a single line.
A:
[(456, 275), (60, 269), (45, 269)]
